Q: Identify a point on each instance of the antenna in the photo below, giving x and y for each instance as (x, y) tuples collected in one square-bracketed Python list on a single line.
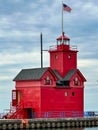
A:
[(41, 47)]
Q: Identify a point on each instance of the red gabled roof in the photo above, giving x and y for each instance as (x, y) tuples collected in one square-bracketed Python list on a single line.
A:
[(52, 72), (70, 73)]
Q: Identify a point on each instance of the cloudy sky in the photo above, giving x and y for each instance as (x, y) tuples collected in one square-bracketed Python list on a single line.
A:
[(21, 22)]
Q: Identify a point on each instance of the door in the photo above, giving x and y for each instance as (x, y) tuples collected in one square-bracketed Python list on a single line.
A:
[(19, 96), (29, 113), (16, 95)]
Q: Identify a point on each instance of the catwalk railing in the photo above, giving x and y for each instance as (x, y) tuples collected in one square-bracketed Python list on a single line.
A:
[(61, 114), (53, 114), (54, 47)]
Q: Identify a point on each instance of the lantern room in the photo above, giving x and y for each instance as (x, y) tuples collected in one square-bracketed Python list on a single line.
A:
[(63, 39)]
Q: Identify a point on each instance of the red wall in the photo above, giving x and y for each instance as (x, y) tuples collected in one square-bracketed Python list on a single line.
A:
[(29, 95), (55, 99), (63, 60), (56, 63)]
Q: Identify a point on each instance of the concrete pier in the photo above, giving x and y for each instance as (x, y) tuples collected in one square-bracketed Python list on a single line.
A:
[(13, 124)]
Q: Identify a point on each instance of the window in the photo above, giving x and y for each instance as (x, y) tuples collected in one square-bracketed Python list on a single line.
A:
[(73, 93), (76, 81), (14, 95), (47, 81), (69, 56), (66, 93), (56, 56)]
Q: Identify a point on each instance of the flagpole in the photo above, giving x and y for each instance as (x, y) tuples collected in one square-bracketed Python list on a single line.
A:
[(62, 22)]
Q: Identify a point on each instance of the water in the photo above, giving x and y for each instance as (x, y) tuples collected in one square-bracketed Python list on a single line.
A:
[(94, 128), (90, 128)]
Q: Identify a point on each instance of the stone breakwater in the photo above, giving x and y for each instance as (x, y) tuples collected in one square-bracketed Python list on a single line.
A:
[(12, 124)]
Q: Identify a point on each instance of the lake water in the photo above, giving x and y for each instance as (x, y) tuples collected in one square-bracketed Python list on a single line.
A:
[(90, 128)]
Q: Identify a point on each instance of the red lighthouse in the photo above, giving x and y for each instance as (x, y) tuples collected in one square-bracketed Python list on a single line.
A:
[(55, 91)]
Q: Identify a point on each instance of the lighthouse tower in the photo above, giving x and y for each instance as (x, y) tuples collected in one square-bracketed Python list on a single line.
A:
[(63, 57)]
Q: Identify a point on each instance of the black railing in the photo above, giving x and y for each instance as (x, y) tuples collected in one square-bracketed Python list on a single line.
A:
[(61, 114)]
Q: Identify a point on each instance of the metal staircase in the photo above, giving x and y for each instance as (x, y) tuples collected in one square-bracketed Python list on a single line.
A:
[(15, 112)]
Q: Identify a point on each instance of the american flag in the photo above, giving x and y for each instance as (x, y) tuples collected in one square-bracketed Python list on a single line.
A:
[(66, 8)]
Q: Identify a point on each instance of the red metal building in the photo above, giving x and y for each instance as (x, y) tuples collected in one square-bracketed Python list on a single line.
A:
[(55, 91)]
